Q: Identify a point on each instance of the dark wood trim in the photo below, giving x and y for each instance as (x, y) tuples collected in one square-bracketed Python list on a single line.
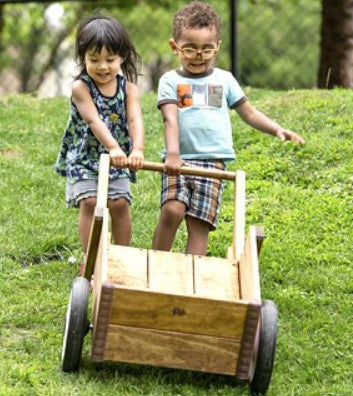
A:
[(100, 330), (245, 358)]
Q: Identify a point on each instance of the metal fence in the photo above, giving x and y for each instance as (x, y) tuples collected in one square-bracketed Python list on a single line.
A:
[(277, 41)]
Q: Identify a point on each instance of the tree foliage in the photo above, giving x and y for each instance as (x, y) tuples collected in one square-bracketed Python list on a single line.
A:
[(278, 39)]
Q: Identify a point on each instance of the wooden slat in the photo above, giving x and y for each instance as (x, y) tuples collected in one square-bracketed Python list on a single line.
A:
[(100, 329), (170, 272), (178, 313), (170, 349), (260, 236), (103, 180), (100, 273), (249, 277), (127, 266), (249, 343), (93, 242), (239, 214), (215, 278)]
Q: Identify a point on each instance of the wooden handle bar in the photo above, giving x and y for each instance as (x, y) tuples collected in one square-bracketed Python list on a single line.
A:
[(190, 170)]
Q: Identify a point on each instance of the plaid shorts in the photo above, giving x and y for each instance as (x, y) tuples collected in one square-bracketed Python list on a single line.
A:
[(201, 195)]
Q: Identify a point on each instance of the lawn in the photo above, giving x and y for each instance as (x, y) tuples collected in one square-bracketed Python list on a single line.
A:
[(302, 195)]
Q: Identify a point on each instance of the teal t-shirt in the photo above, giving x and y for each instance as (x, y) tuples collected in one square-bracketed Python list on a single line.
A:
[(203, 102)]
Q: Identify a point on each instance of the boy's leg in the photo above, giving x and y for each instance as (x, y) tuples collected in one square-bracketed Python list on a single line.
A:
[(121, 220), (87, 207), (198, 231), (172, 214)]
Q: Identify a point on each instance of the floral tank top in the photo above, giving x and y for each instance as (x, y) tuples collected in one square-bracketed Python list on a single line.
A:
[(80, 150)]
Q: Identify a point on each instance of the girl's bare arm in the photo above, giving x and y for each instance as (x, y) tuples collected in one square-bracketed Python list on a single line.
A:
[(88, 111), (136, 127)]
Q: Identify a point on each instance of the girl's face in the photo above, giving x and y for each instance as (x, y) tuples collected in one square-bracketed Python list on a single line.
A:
[(197, 49), (103, 67)]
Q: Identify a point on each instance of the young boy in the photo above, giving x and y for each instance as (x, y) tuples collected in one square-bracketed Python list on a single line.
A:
[(195, 101)]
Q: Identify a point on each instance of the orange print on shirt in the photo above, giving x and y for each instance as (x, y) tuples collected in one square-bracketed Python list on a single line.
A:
[(184, 95)]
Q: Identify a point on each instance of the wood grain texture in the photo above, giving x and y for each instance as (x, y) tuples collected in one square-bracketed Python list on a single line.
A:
[(100, 273), (170, 272), (127, 266), (100, 329), (103, 180), (187, 314), (249, 343), (239, 214), (215, 278), (249, 277), (93, 242), (171, 349)]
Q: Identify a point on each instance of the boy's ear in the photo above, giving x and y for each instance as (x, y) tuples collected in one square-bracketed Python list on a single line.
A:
[(172, 45)]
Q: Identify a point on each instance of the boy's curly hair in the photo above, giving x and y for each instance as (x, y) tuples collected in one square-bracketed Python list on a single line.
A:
[(196, 15)]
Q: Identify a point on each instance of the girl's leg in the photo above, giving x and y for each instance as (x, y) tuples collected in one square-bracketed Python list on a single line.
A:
[(172, 214), (198, 231), (121, 220), (87, 207)]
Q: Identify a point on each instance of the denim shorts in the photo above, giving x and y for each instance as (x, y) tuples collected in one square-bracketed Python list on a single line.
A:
[(201, 195), (118, 188)]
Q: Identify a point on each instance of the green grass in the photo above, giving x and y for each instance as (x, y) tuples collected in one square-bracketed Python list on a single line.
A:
[(302, 195)]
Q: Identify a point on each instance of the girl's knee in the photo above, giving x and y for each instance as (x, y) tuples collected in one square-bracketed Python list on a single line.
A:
[(118, 205), (88, 204)]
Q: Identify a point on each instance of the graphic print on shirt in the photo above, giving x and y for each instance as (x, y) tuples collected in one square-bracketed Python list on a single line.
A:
[(199, 95)]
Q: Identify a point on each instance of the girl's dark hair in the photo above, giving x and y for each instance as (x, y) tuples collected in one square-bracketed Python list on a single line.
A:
[(96, 32)]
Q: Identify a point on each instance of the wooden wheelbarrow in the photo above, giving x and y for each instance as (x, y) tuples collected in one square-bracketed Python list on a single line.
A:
[(171, 309)]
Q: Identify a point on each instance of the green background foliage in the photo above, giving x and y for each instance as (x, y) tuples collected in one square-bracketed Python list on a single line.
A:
[(278, 40)]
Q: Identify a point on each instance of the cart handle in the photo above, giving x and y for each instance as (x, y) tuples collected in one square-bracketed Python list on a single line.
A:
[(190, 170), (237, 177)]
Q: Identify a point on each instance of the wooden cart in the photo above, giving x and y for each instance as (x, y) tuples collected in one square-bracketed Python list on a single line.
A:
[(171, 309)]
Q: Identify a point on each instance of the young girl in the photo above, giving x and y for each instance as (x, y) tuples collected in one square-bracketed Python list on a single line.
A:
[(105, 117)]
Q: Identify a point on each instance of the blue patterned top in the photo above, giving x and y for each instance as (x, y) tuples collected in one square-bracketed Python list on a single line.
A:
[(80, 150)]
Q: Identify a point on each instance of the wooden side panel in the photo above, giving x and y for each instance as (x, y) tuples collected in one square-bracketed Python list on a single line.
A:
[(178, 313), (100, 273), (249, 277), (170, 272), (215, 278), (93, 242), (170, 349), (127, 266)]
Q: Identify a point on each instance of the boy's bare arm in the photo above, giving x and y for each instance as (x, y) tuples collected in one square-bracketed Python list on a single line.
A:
[(173, 160), (136, 128), (88, 111), (260, 121)]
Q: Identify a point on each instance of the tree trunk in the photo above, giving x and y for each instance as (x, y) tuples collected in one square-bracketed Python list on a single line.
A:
[(336, 60)]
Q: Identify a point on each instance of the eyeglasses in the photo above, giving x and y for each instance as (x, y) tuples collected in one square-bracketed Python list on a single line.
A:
[(191, 53)]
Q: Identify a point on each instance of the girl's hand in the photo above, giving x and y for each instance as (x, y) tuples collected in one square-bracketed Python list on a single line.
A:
[(118, 157), (173, 164), (135, 159), (286, 134)]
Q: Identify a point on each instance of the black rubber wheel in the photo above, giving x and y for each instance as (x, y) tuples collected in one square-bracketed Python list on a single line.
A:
[(267, 348), (76, 325)]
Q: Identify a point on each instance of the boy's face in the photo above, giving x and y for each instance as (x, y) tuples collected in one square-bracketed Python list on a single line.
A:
[(197, 49)]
